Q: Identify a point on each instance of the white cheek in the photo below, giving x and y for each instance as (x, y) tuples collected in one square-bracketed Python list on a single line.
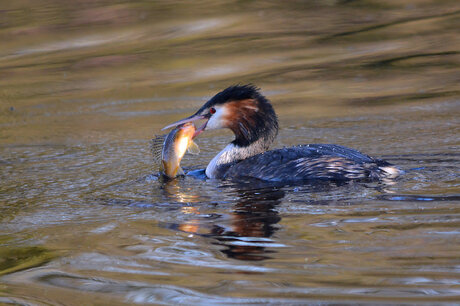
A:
[(217, 120)]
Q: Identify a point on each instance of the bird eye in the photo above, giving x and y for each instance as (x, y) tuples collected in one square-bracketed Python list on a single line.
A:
[(212, 110)]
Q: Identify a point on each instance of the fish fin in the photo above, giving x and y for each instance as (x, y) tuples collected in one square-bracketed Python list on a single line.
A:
[(193, 148), (156, 146), (180, 171)]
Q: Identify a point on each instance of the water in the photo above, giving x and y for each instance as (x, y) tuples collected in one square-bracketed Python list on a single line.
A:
[(85, 220)]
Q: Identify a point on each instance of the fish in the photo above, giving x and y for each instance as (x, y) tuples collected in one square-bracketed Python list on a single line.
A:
[(169, 149)]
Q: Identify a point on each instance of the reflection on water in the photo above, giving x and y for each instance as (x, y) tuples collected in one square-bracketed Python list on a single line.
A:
[(244, 232), (254, 218), (84, 85)]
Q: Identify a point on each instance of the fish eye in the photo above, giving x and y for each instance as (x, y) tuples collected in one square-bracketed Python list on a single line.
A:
[(212, 110)]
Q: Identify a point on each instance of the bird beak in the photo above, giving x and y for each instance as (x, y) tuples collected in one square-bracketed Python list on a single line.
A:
[(185, 120)]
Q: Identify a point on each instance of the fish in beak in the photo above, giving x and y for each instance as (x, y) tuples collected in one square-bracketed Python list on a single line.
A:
[(192, 118), (169, 149)]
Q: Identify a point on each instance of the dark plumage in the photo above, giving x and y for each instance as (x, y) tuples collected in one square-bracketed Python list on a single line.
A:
[(308, 162)]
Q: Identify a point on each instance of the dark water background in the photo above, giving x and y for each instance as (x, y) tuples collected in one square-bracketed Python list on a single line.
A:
[(84, 85)]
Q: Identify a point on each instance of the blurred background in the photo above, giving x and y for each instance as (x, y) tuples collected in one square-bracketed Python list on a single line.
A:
[(84, 86), (86, 70)]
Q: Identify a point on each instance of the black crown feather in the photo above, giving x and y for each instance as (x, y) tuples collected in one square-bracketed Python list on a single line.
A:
[(265, 122)]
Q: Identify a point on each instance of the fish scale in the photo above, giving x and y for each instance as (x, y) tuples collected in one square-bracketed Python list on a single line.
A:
[(168, 150)]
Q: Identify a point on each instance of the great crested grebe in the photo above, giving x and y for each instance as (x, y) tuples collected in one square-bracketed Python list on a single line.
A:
[(250, 116)]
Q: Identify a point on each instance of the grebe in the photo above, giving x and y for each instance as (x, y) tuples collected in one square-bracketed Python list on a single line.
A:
[(250, 116)]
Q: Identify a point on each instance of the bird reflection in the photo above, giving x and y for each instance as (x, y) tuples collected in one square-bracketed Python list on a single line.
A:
[(253, 217), (245, 232)]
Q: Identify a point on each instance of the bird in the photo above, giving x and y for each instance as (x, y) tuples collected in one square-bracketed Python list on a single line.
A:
[(250, 116)]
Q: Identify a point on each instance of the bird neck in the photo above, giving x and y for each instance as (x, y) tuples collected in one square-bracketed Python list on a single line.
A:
[(232, 154)]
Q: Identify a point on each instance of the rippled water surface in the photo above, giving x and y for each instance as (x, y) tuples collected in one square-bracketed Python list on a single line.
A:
[(85, 219)]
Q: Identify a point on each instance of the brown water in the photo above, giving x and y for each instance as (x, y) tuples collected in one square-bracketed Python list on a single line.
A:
[(84, 219)]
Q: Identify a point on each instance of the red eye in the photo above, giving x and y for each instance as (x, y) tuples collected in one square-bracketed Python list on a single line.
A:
[(212, 110)]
